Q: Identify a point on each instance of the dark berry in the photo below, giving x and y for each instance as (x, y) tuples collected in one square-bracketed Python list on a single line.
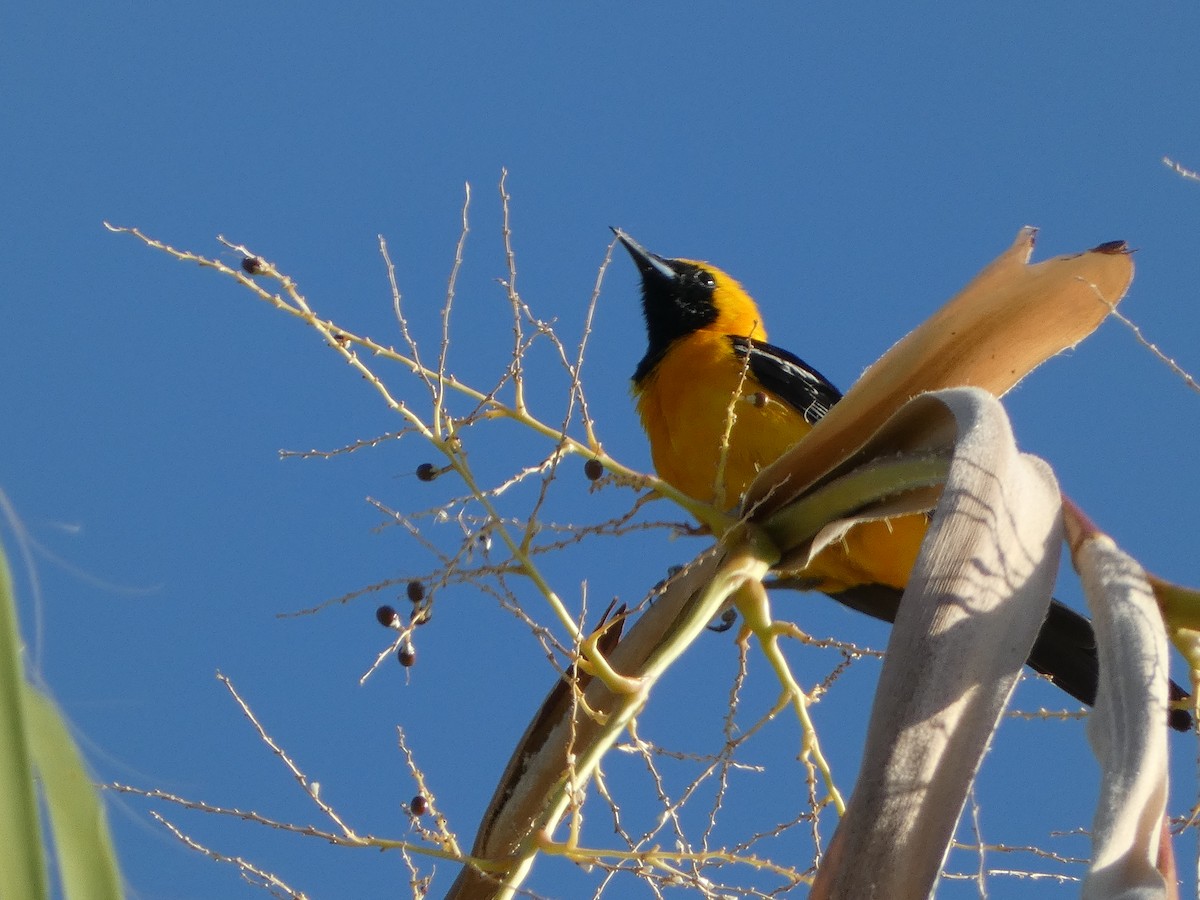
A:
[(407, 655), (252, 265), (728, 617), (387, 616), (416, 591), (427, 472), (419, 805), (593, 470)]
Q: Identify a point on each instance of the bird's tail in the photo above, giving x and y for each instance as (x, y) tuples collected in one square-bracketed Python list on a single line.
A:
[(1064, 652)]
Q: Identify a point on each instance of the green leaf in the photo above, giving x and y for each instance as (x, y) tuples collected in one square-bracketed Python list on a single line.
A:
[(22, 869), (87, 861), (36, 738)]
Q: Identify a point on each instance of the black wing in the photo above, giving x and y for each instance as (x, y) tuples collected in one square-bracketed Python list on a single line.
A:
[(788, 376)]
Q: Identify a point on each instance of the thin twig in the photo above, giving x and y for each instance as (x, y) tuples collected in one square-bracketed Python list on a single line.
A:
[(249, 870), (309, 787)]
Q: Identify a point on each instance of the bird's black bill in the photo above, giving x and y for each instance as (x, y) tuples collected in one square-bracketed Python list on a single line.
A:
[(649, 264)]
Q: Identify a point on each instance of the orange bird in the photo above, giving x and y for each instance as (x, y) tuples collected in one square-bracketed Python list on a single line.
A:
[(708, 357)]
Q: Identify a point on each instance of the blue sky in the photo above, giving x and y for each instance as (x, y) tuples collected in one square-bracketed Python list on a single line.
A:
[(852, 167)]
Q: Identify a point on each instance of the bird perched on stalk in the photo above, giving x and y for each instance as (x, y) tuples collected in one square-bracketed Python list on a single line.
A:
[(719, 403)]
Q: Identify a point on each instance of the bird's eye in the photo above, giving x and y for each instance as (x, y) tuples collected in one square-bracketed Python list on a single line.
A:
[(702, 279)]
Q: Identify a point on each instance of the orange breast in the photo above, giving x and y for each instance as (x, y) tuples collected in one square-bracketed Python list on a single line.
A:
[(694, 396), (698, 394)]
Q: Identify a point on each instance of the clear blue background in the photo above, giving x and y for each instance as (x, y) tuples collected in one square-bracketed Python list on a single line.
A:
[(852, 166)]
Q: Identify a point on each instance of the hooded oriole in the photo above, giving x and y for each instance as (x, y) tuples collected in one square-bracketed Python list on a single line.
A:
[(707, 358)]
